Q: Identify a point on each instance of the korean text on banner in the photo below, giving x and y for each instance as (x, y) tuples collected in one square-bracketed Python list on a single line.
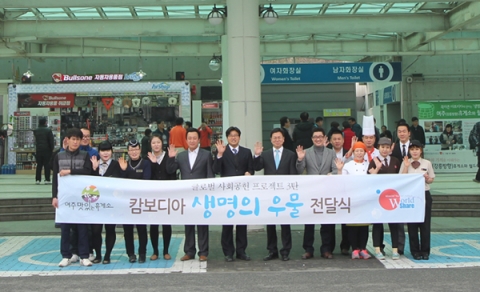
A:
[(299, 199)]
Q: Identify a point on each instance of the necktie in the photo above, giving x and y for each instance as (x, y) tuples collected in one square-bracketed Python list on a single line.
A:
[(386, 162), (103, 168), (404, 152), (234, 150), (277, 158)]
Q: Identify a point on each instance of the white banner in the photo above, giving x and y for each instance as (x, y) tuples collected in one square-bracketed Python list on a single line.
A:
[(286, 199)]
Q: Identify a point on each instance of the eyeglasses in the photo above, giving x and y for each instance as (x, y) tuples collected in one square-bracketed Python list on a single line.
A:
[(318, 137), (86, 137), (233, 136), (134, 149)]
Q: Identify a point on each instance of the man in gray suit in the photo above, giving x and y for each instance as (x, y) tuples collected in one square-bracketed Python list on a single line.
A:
[(194, 163), (317, 159)]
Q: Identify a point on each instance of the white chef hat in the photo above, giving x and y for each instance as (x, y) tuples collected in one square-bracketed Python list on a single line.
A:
[(368, 126)]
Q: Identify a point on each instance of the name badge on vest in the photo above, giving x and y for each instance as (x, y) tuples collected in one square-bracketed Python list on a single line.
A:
[(139, 170)]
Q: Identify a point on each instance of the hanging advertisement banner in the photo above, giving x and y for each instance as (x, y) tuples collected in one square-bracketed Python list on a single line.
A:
[(282, 199), (60, 77), (49, 100), (449, 152)]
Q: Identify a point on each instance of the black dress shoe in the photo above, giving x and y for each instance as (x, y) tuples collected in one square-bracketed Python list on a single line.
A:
[(132, 258), (243, 257), (327, 255), (142, 258), (307, 256), (417, 257), (106, 261), (400, 252), (345, 252), (228, 258), (271, 256), (285, 257), (97, 260), (425, 257)]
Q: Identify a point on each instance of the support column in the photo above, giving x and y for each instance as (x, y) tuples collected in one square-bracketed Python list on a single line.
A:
[(243, 67)]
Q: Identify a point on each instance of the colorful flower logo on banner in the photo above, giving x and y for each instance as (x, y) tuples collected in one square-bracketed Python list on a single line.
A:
[(90, 194)]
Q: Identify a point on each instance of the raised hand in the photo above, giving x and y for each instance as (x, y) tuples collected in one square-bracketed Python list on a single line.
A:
[(258, 148), (326, 142), (406, 162), (339, 163), (392, 147), (172, 152), (95, 162), (123, 163), (354, 140), (378, 163), (152, 157), (300, 153), (220, 148)]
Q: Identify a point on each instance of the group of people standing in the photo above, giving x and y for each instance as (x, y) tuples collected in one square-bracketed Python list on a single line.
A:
[(231, 159)]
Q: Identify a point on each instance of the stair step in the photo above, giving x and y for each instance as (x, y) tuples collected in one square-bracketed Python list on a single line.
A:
[(26, 209), (455, 198), (456, 213), (27, 216), (442, 205), (26, 201)]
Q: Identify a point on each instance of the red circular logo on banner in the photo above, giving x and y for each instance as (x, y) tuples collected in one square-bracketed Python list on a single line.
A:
[(389, 199)]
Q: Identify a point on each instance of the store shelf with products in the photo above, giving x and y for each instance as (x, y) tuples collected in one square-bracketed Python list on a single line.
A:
[(212, 115)]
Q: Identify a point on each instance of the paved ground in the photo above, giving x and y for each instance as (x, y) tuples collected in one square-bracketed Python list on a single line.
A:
[(39, 255)]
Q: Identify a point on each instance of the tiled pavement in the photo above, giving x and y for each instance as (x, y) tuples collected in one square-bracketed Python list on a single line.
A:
[(39, 255)]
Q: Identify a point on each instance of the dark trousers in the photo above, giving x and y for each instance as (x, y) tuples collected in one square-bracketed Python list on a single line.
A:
[(327, 233), (358, 236), (272, 239), (74, 239), (401, 236), (377, 234), (82, 240), (345, 244), (477, 177), (110, 238), (189, 247), (421, 247), (142, 239), (43, 161), (240, 240), (167, 237)]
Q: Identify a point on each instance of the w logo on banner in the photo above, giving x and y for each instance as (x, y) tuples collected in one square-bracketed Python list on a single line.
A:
[(389, 199)]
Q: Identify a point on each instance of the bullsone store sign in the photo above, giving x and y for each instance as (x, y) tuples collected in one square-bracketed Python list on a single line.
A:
[(59, 77)]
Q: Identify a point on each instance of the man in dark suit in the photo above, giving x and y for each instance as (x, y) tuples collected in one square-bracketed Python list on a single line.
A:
[(285, 125), (400, 150), (233, 160), (417, 132), (195, 163), (317, 159), (276, 161)]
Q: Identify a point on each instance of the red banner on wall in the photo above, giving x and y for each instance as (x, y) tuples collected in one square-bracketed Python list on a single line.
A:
[(56, 100)]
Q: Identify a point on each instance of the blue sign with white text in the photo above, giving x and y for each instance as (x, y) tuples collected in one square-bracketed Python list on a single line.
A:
[(330, 73)]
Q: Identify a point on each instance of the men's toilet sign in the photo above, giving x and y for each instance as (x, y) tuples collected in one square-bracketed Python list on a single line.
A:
[(381, 72)]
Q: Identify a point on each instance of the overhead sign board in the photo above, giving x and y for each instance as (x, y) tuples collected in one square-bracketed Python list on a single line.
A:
[(330, 73)]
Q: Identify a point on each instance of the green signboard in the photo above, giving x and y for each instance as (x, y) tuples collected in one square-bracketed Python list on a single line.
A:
[(449, 110)]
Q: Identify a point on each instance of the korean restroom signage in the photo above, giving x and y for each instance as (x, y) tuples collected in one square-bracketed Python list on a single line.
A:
[(330, 73)]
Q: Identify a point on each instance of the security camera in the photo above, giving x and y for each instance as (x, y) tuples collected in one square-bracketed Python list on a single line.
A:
[(214, 64)]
